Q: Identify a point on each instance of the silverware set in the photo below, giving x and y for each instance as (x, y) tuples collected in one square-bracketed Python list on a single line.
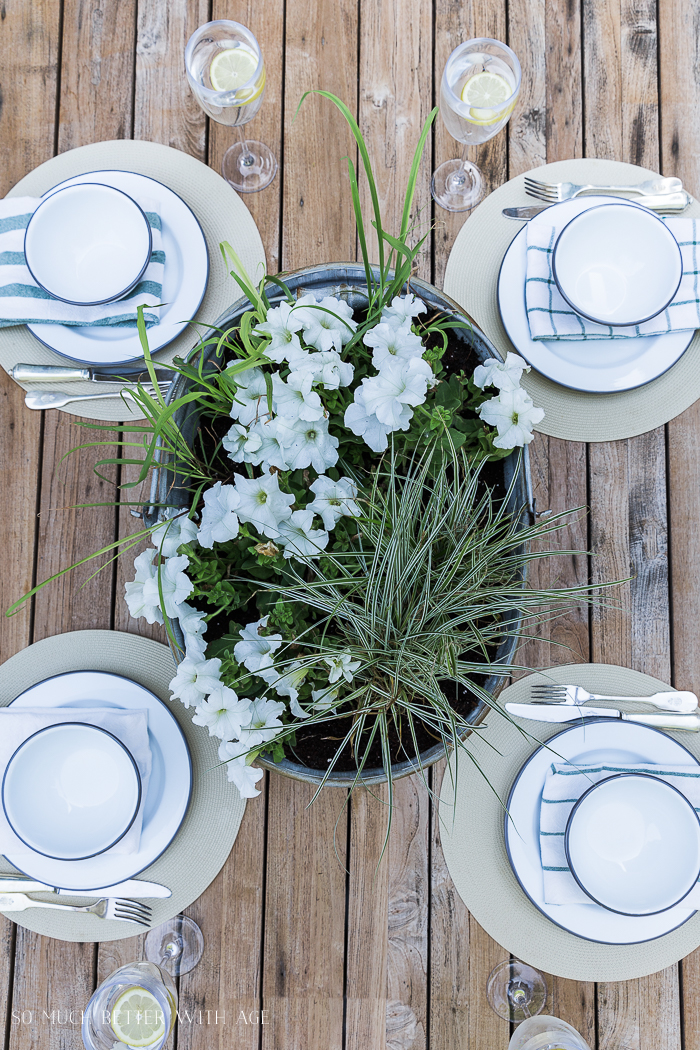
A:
[(659, 194), (120, 375), (567, 703), (14, 890)]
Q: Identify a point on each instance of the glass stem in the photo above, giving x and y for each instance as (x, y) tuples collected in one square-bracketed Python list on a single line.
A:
[(247, 159), (170, 951)]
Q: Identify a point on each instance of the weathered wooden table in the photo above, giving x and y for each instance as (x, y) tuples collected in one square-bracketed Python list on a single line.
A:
[(358, 960)]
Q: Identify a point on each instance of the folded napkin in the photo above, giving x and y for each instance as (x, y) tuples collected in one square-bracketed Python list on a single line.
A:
[(131, 727), (563, 786), (22, 301), (551, 317)]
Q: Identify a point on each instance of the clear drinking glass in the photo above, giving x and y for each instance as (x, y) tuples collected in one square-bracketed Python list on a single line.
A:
[(546, 1033), (135, 1004), (516, 991), (478, 93), (226, 72)]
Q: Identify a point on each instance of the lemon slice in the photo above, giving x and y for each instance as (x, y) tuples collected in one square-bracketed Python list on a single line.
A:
[(137, 1018), (232, 69), (484, 93)]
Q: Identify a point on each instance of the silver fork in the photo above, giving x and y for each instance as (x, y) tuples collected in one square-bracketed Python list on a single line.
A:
[(44, 399), (107, 908), (552, 192), (575, 696)]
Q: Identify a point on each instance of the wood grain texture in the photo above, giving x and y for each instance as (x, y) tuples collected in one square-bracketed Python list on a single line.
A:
[(303, 988), (265, 18), (395, 100), (97, 83), (321, 52), (527, 128), (165, 110), (462, 956)]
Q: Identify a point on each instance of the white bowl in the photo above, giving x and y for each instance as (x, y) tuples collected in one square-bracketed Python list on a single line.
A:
[(617, 264), (633, 844), (71, 791), (87, 244)]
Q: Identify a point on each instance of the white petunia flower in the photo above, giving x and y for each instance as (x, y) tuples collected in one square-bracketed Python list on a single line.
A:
[(328, 369), (193, 625), (262, 503), (264, 724), (282, 325), (333, 500), (195, 679), (255, 651), (243, 776), (323, 699), (195, 646), (137, 602), (402, 310), (172, 582), (341, 666), (505, 375), (366, 425), (400, 383), (173, 532), (223, 713), (307, 444), (295, 399), (270, 453), (219, 521), (328, 324), (514, 414), (242, 445), (250, 399), (299, 539), (391, 343)]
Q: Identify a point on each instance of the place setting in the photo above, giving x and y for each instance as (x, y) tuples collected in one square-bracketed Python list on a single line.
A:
[(97, 231)]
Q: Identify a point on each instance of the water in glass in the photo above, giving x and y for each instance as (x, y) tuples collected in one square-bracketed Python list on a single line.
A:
[(546, 1033), (135, 1006)]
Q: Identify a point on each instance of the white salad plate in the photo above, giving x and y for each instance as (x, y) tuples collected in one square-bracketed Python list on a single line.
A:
[(617, 265), (185, 277), (87, 244), (71, 791), (169, 786), (599, 366), (594, 741), (632, 843)]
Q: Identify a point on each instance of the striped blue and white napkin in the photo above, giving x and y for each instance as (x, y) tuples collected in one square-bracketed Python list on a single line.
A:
[(22, 301), (551, 317), (563, 786)]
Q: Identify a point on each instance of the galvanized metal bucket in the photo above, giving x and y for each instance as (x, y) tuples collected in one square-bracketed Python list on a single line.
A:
[(348, 281)]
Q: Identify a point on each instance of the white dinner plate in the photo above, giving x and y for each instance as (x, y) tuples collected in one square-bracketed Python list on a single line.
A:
[(601, 366), (185, 277), (169, 787), (596, 741)]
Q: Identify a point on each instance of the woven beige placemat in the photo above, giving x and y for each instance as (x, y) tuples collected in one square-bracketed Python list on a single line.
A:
[(474, 844), (471, 279), (211, 825), (221, 213)]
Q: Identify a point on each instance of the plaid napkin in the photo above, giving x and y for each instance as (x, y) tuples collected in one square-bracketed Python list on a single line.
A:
[(563, 787), (22, 301), (551, 317), (131, 727)]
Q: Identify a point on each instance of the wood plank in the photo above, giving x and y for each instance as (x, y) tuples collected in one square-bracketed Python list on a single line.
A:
[(265, 18), (395, 100), (453, 24), (320, 52), (462, 956), (96, 81), (165, 110), (304, 918)]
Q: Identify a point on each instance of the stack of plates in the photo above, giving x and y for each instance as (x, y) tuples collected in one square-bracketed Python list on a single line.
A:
[(590, 365), (606, 742), (164, 807)]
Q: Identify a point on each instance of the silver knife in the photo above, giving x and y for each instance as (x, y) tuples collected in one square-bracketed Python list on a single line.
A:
[(23, 373), (130, 888), (556, 713), (665, 202)]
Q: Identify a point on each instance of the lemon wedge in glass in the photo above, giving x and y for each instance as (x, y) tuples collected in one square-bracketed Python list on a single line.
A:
[(484, 93), (232, 69), (137, 1018)]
